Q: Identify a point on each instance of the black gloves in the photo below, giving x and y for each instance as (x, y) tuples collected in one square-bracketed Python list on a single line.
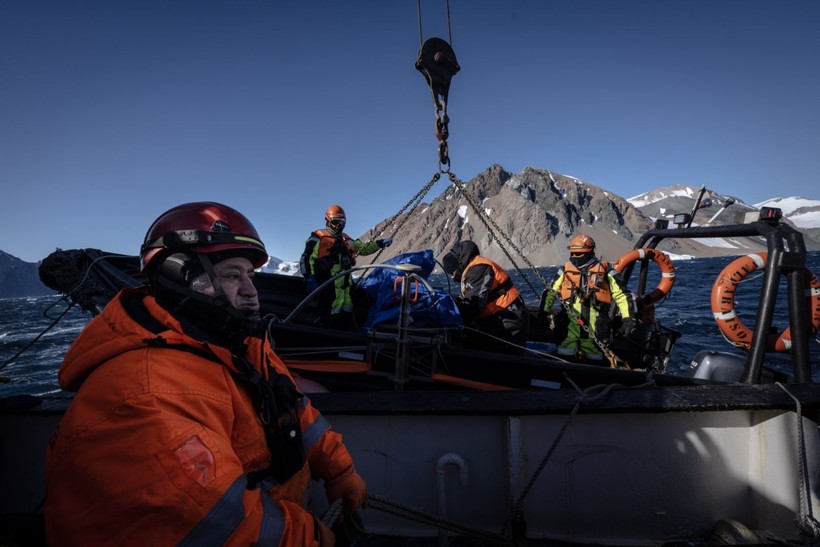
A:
[(386, 242), (627, 327)]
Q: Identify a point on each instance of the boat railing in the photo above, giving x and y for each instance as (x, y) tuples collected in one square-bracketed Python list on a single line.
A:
[(786, 257)]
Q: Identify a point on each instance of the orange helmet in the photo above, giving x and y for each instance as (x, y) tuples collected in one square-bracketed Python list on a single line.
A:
[(335, 213), (201, 227), (581, 243), (335, 219)]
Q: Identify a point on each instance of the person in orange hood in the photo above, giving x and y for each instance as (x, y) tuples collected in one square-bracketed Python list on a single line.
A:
[(186, 427)]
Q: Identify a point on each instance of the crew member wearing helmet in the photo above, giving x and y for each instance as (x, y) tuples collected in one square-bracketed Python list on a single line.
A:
[(489, 301), (588, 286), (327, 253), (186, 427)]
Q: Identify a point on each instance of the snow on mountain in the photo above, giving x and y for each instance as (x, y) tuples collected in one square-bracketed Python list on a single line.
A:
[(718, 209), (658, 194), (663, 202), (803, 212), (281, 267)]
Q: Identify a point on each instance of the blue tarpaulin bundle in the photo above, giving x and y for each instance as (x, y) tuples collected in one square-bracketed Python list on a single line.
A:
[(428, 311)]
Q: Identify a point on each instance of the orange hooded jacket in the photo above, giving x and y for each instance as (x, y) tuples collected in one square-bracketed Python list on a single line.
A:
[(156, 447), (497, 299)]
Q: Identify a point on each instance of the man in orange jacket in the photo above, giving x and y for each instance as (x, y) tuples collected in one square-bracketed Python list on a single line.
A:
[(490, 303), (186, 427)]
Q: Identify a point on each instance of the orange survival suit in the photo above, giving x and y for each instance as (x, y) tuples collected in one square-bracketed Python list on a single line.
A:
[(200, 469)]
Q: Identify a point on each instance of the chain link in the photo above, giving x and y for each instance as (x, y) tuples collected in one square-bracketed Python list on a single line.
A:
[(442, 133), (492, 229), (412, 204)]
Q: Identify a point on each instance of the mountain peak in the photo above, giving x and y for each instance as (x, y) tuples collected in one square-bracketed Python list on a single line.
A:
[(527, 218), (19, 278)]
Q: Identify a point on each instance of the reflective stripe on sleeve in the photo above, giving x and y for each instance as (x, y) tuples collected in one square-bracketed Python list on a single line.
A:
[(313, 433), (217, 526), (273, 522), (222, 520)]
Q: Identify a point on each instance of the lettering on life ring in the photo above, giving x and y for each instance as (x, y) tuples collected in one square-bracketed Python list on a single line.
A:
[(723, 303), (658, 257)]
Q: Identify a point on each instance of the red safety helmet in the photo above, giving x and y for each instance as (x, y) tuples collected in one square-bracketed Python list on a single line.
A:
[(334, 214), (581, 243), (201, 227)]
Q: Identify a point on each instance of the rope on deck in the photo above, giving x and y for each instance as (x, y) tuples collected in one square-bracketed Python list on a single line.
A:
[(380, 503), (383, 504)]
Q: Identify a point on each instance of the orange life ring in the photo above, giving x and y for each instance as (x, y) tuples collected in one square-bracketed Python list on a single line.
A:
[(658, 257), (723, 303)]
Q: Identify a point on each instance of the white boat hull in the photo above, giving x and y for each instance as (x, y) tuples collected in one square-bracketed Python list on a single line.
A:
[(616, 476), (613, 478)]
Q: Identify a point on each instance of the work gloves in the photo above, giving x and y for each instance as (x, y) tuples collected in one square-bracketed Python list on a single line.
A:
[(386, 242), (627, 327), (350, 486), (311, 283)]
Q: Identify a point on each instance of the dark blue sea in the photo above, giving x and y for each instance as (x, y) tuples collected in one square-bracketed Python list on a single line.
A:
[(29, 359)]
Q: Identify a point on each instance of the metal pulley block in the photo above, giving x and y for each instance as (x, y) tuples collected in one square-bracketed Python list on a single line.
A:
[(437, 61)]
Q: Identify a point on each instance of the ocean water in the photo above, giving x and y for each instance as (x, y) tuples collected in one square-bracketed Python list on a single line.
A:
[(36, 332)]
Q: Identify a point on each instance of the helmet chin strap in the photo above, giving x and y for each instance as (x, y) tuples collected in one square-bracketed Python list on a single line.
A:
[(211, 315), (208, 266)]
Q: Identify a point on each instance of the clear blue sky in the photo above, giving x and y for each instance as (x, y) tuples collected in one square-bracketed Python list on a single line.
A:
[(112, 111)]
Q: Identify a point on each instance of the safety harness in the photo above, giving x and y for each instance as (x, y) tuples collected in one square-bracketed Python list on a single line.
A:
[(500, 290)]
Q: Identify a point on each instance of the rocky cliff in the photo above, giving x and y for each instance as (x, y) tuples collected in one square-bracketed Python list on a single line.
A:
[(528, 219)]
